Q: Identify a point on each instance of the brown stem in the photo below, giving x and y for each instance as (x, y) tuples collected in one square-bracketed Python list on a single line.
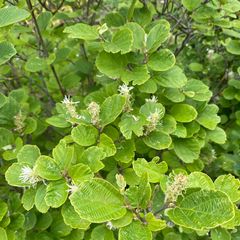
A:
[(42, 44)]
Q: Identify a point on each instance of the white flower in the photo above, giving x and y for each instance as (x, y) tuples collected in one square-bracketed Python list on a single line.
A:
[(94, 110), (67, 100), (70, 107), (110, 226), (153, 99), (28, 175), (124, 90), (72, 188), (7, 147), (155, 117)]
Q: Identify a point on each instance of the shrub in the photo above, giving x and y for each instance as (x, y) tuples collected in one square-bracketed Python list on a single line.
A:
[(114, 117)]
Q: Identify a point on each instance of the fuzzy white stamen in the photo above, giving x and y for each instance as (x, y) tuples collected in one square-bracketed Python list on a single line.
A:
[(153, 99), (72, 188), (124, 90), (28, 175)]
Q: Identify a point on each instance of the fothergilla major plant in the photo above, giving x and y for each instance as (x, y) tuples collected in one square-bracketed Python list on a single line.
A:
[(119, 120)]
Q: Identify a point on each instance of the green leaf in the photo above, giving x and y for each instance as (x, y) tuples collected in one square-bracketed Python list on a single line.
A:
[(92, 157), (233, 47), (208, 118), (229, 185), (111, 108), (3, 99), (110, 64), (98, 201), (157, 35), (201, 91), (7, 51), (35, 64), (28, 154), (138, 35), (191, 4), (183, 112), (79, 173), (71, 217), (13, 174), (174, 95), (154, 170), (202, 209), (187, 149), (47, 168), (155, 224), (139, 196), (122, 42), (101, 232), (125, 151), (39, 201), (82, 31), (56, 194), (173, 78), (6, 137), (63, 155), (12, 14), (28, 198), (162, 60), (220, 234), (137, 74), (107, 144), (131, 124), (217, 135), (58, 121), (3, 233), (84, 135), (135, 230), (158, 140), (200, 180), (123, 221), (4, 209)]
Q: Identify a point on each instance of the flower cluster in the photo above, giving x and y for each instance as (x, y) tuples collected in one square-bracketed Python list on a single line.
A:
[(94, 110), (124, 90), (175, 188), (153, 120), (19, 122), (71, 107)]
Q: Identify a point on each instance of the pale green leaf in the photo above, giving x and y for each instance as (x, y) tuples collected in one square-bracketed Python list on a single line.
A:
[(183, 112), (230, 185), (111, 108), (191, 4), (162, 60), (157, 35), (203, 209), (71, 217), (47, 168), (200, 180), (84, 135), (173, 78), (154, 170), (208, 118), (40, 199), (82, 31), (7, 51), (56, 193), (98, 201), (122, 42), (12, 14), (135, 230), (187, 149), (158, 140), (28, 154)]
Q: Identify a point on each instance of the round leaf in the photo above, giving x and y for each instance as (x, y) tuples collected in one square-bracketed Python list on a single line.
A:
[(98, 201)]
